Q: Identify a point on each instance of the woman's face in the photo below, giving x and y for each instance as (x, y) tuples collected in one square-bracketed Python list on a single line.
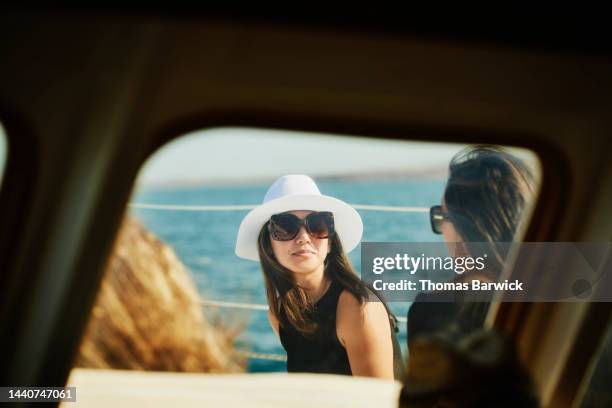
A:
[(303, 254)]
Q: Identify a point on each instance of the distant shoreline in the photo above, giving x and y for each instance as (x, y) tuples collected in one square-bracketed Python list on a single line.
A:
[(433, 173)]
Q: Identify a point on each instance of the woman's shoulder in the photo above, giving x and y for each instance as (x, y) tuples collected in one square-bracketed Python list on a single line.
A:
[(357, 321), (348, 301), (350, 307)]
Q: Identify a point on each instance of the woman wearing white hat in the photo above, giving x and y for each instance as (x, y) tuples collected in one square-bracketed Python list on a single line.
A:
[(318, 304)]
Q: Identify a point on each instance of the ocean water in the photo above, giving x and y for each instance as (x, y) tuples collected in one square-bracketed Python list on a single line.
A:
[(205, 242)]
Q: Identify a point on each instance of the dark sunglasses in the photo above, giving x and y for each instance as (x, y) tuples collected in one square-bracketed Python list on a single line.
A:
[(286, 226), (436, 217)]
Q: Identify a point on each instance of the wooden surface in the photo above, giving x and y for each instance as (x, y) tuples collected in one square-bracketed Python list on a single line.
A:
[(117, 388)]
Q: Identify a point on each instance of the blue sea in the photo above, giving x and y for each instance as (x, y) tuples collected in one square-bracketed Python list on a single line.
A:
[(205, 241)]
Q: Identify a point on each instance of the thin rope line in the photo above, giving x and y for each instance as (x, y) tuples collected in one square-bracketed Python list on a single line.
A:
[(164, 207), (262, 356), (173, 207), (389, 208), (233, 305)]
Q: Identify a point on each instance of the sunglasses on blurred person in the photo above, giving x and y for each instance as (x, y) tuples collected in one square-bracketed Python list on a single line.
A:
[(437, 216)]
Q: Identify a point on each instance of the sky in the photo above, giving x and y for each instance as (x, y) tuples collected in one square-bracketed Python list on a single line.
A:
[(233, 155)]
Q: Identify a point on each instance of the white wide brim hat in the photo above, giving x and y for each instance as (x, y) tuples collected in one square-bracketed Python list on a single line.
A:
[(293, 193)]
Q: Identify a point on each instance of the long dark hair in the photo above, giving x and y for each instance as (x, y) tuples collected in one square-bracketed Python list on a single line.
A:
[(285, 294), (486, 194)]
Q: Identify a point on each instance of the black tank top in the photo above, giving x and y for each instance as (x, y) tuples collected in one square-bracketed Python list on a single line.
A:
[(459, 313), (322, 351)]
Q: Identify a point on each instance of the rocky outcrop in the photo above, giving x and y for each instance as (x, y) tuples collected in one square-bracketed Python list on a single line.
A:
[(148, 315)]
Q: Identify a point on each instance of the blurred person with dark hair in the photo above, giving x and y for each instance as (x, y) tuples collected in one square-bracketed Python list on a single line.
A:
[(482, 206)]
